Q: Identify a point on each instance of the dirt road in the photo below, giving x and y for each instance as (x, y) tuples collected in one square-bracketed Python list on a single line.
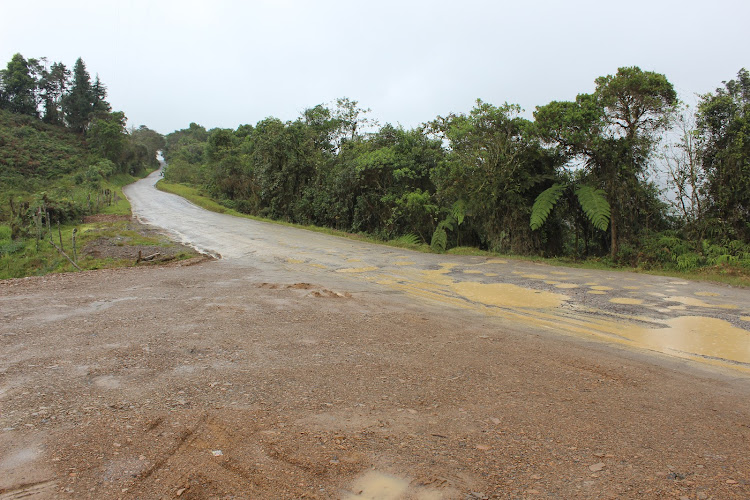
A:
[(303, 366)]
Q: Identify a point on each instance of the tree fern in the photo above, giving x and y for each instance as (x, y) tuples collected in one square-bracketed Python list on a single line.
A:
[(544, 204), (458, 211), (439, 239), (595, 206), (409, 239)]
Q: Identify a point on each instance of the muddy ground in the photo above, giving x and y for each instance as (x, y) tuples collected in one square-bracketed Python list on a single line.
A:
[(209, 380), (123, 247)]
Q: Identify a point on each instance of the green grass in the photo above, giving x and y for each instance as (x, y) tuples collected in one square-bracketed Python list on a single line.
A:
[(21, 258), (121, 206)]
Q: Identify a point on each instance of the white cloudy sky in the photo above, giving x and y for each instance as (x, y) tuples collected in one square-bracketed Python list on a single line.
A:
[(222, 63)]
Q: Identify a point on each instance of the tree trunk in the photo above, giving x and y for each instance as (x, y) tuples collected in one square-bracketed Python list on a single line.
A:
[(614, 241)]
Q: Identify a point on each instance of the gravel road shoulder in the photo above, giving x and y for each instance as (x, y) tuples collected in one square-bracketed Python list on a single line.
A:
[(209, 381)]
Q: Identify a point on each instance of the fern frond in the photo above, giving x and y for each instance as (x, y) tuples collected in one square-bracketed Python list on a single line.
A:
[(595, 206), (458, 211), (410, 239), (439, 239), (544, 204)]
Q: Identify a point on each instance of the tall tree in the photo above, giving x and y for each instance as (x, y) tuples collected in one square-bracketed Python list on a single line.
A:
[(612, 132), (99, 94), (54, 85), (79, 103), (724, 123), (19, 86)]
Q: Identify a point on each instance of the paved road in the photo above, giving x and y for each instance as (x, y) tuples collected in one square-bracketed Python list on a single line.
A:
[(702, 322)]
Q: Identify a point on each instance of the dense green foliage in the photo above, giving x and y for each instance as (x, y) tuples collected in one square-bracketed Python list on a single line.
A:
[(578, 180), (724, 127)]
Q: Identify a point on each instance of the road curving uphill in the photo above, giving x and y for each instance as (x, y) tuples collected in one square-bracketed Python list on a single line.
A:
[(305, 366)]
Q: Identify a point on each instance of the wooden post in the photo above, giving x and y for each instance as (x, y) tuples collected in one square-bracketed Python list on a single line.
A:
[(58, 248), (75, 255), (38, 222), (59, 233)]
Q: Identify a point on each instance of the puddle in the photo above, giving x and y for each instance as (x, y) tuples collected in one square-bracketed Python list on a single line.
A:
[(559, 273), (552, 282), (404, 263), (508, 295), (472, 271), (496, 261), (107, 382), (534, 276), (566, 285), (706, 294), (18, 459), (295, 261), (386, 282), (354, 260), (490, 275), (692, 301), (625, 300), (591, 283), (700, 336), (602, 288), (357, 269), (378, 486), (319, 266), (596, 292), (745, 318)]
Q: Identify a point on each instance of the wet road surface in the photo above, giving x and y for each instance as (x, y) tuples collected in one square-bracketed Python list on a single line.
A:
[(698, 321)]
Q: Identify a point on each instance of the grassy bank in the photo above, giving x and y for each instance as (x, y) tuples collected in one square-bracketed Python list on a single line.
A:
[(108, 239)]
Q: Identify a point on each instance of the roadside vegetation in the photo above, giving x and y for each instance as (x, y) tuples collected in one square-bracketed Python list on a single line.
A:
[(64, 157), (623, 177)]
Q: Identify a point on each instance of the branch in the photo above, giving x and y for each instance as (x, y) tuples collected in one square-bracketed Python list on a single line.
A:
[(58, 248)]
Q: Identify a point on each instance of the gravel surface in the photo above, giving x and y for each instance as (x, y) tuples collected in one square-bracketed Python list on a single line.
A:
[(305, 366), (210, 381)]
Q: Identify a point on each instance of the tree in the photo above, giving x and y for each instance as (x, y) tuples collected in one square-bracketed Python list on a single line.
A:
[(686, 176), (99, 93), (495, 166), (79, 103), (612, 133), (351, 119), (724, 123), (107, 135), (152, 140), (54, 85), (19, 86)]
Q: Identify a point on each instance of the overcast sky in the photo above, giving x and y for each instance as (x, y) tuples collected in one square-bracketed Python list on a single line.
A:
[(225, 63)]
